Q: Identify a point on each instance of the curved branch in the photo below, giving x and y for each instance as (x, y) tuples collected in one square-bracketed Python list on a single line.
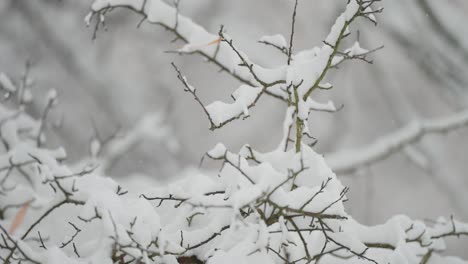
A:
[(349, 160)]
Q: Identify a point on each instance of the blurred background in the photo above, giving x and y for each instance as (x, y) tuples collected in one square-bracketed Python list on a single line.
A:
[(109, 84)]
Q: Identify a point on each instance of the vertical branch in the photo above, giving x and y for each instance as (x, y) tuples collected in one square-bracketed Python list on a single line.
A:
[(299, 124), (299, 121), (291, 38), (176, 5), (24, 82)]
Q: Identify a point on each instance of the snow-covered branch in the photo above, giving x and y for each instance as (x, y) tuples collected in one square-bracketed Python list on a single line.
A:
[(197, 39), (345, 161), (292, 82)]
